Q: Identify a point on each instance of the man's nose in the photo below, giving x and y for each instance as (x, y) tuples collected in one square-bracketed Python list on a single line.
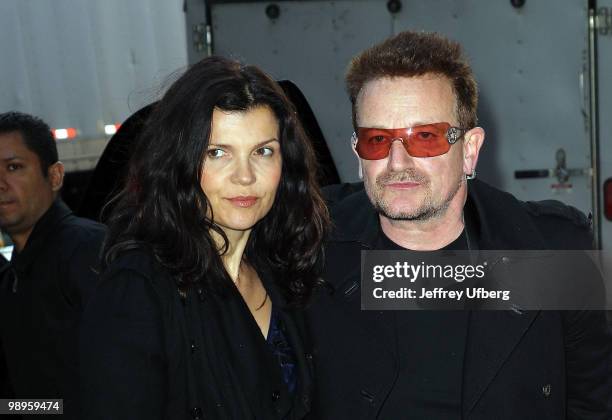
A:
[(399, 159), (244, 173)]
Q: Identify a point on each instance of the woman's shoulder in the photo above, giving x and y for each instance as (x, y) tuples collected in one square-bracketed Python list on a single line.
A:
[(140, 260), (136, 270)]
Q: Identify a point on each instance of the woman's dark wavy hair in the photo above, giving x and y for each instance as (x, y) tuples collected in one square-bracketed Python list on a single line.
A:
[(163, 208)]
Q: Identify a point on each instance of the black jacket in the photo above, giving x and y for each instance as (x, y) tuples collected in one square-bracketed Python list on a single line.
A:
[(529, 365), (149, 353), (42, 294)]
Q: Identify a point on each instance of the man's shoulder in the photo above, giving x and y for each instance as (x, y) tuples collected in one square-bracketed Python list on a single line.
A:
[(73, 229), (538, 209), (557, 211), (76, 241), (562, 226), (350, 209), (345, 197), (335, 193)]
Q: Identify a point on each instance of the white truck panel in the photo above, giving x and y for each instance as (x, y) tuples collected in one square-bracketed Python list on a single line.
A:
[(85, 64)]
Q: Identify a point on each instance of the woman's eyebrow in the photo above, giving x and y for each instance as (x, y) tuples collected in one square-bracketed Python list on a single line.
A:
[(229, 146)]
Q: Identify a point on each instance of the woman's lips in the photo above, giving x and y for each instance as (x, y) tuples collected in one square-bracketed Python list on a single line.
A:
[(243, 201)]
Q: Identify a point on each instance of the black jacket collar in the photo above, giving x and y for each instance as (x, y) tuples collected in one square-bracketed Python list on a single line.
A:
[(501, 220), (57, 212)]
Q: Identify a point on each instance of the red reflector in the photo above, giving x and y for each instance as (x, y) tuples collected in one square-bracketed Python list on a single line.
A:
[(608, 198)]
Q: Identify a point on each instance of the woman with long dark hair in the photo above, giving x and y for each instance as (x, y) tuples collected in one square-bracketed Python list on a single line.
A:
[(213, 246)]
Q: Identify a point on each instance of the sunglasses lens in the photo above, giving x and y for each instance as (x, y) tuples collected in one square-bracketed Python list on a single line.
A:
[(428, 140), (420, 141), (373, 144)]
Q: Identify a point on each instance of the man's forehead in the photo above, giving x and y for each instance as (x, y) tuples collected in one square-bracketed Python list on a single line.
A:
[(400, 85), (11, 138), (402, 99), (12, 146)]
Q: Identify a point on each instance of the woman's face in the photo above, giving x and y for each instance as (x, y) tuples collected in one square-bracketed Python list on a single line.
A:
[(242, 166)]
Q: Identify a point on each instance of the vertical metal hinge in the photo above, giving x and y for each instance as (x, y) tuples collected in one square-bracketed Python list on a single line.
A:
[(199, 36), (603, 21), (209, 41), (202, 38)]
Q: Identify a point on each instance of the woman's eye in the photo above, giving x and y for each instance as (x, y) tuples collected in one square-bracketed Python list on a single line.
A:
[(13, 167), (215, 153), (265, 151)]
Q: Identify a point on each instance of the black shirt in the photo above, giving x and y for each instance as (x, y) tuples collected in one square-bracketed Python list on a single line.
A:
[(430, 349)]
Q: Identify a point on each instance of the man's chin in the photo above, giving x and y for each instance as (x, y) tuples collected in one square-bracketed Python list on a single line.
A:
[(12, 223), (405, 212)]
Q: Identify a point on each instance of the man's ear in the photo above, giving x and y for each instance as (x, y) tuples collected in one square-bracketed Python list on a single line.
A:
[(472, 142), (354, 147), (55, 174), (354, 144)]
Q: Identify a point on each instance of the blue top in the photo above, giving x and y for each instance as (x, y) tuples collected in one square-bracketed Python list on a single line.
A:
[(282, 351)]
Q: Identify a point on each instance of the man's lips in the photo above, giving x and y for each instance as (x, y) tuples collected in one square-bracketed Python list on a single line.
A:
[(402, 185), (243, 201)]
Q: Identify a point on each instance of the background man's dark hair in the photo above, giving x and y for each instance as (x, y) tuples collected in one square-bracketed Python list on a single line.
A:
[(413, 54), (36, 135)]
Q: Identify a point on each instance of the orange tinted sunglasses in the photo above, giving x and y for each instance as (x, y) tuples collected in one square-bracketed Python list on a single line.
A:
[(425, 140)]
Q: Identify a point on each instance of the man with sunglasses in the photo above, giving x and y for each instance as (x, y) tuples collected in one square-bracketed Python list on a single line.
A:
[(414, 102)]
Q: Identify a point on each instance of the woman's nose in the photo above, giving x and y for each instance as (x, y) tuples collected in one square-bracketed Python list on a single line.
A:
[(243, 172)]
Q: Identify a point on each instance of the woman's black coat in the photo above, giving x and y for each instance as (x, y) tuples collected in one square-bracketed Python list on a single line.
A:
[(148, 353)]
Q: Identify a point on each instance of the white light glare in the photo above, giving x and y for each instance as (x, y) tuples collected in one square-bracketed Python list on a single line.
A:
[(61, 133), (110, 129)]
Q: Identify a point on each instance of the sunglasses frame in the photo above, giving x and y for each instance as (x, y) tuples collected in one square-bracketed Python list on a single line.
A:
[(453, 135)]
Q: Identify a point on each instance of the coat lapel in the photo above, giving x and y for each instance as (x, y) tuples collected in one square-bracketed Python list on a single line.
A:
[(345, 294), (488, 348), (502, 224)]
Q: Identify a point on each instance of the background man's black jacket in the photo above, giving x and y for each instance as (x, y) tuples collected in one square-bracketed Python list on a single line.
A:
[(42, 294), (530, 365)]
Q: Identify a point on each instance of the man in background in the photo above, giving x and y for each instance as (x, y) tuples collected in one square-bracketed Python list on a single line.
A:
[(52, 269)]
